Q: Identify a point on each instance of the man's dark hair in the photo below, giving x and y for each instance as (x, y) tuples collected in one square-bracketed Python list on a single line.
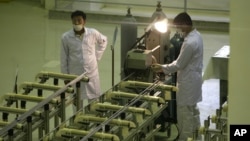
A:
[(183, 19), (78, 13)]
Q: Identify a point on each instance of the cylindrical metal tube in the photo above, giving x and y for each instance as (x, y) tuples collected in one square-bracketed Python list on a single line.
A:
[(32, 85), (138, 84), (214, 131), (117, 94), (89, 118), (75, 132), (60, 76), (18, 110), (104, 106), (18, 126), (13, 96)]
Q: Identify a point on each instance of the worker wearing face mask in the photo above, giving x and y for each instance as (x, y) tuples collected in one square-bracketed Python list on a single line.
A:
[(188, 66), (81, 49)]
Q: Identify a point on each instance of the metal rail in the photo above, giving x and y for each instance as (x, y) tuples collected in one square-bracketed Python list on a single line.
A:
[(117, 113), (25, 115)]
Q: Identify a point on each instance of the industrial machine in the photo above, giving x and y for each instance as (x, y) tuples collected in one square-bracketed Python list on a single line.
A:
[(125, 112), (154, 46), (136, 108)]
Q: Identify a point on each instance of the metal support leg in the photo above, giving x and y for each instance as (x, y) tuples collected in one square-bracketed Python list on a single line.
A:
[(173, 107), (46, 118), (206, 125), (23, 104), (40, 129), (39, 92), (62, 108), (10, 134), (79, 104), (56, 117), (29, 128), (55, 81), (5, 116)]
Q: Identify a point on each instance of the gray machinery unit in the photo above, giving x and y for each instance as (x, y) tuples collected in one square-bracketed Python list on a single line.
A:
[(151, 47), (128, 37), (154, 46)]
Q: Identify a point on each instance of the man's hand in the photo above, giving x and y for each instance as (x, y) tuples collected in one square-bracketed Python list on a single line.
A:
[(156, 68)]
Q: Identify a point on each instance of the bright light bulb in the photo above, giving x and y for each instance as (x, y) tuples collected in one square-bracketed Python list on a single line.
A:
[(161, 26)]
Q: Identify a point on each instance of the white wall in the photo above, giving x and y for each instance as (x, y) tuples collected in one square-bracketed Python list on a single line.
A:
[(87, 6), (49, 4)]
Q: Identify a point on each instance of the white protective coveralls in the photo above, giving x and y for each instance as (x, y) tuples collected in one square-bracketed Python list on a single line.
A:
[(188, 66), (80, 54)]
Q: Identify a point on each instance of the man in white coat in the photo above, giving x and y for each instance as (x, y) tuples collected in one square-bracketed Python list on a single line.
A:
[(81, 49), (188, 66)]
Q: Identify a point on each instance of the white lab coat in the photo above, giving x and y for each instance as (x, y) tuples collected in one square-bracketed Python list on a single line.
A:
[(188, 66), (82, 55), (189, 82)]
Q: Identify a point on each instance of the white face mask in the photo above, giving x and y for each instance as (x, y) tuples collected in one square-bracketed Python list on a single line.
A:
[(77, 27)]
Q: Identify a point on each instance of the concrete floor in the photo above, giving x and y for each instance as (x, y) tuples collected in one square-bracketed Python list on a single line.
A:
[(30, 43)]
